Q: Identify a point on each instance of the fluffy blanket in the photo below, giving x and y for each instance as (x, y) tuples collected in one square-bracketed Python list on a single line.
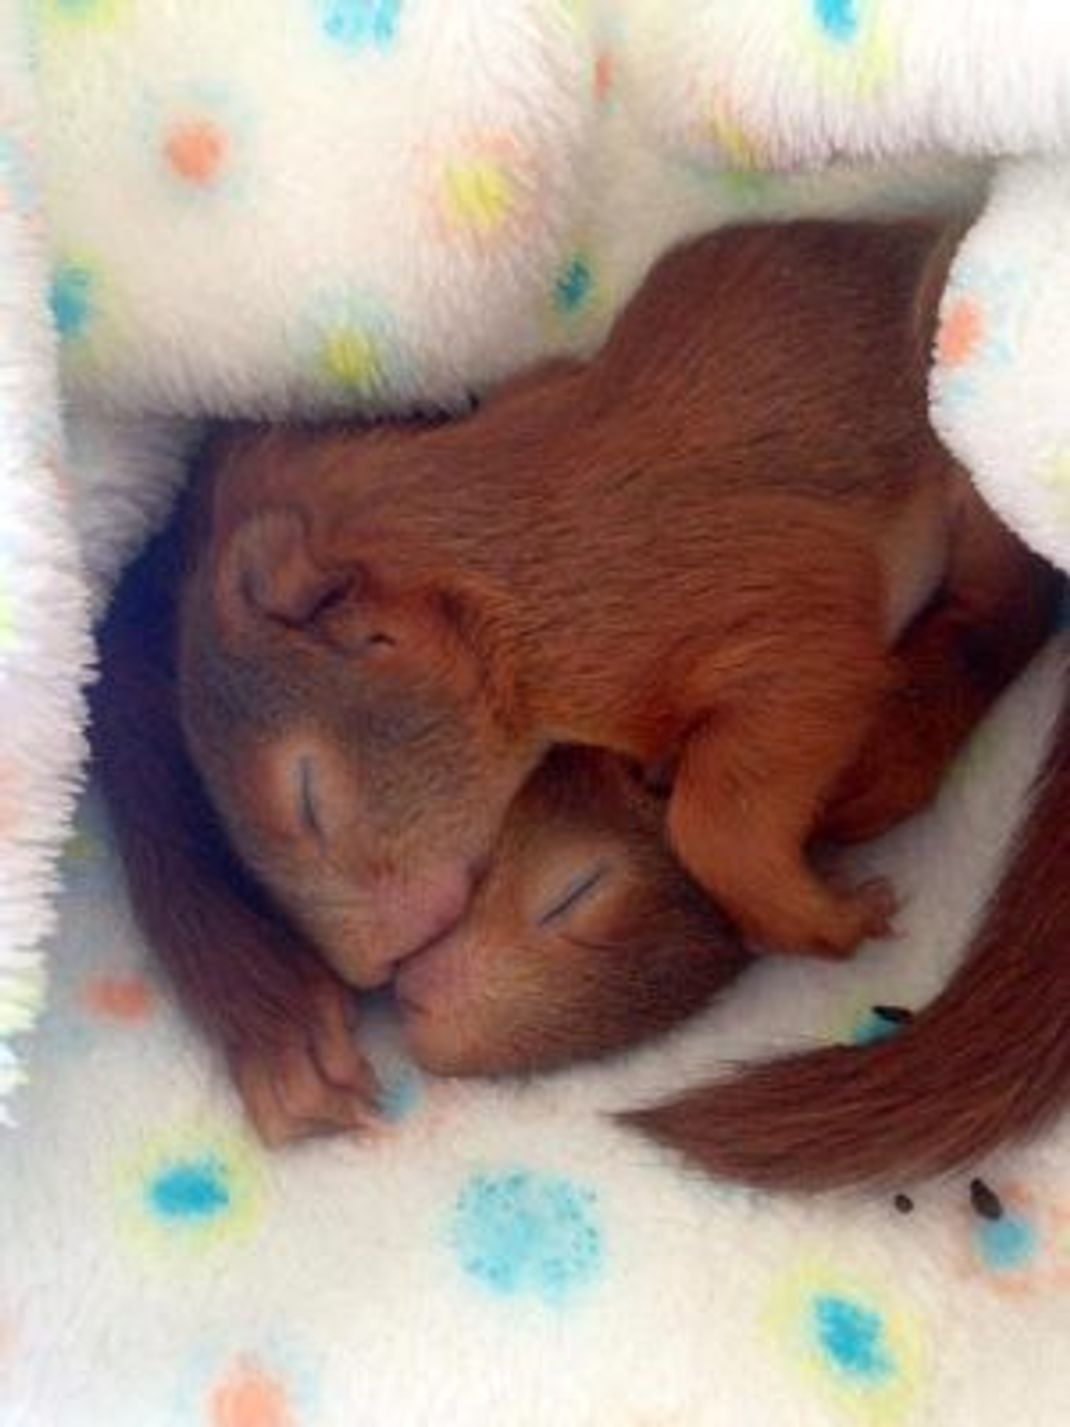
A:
[(214, 206), (500, 1254)]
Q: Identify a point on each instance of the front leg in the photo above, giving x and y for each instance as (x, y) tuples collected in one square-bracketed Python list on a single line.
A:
[(251, 984), (753, 778), (313, 1079)]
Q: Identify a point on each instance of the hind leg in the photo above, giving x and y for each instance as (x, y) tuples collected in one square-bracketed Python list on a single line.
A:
[(751, 783), (998, 605)]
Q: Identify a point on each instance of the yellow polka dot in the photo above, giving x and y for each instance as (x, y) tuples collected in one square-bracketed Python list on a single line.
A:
[(350, 357), (863, 67), (190, 1190), (82, 15), (741, 147), (478, 193), (1057, 472), (577, 13), (880, 1387), (1054, 478)]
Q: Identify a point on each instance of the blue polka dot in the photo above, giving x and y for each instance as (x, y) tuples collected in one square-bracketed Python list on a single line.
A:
[(71, 299), (573, 286), (400, 1096), (852, 1338), (838, 18), (358, 24), (1007, 1243), (873, 1028), (190, 1190), (519, 1232)]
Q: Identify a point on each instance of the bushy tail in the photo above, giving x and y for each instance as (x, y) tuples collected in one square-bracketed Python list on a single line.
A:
[(987, 1062)]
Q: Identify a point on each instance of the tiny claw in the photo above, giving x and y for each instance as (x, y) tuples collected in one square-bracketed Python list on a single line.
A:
[(315, 1082)]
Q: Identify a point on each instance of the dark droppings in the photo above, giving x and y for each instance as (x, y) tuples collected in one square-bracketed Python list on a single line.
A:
[(985, 1201), (897, 1015)]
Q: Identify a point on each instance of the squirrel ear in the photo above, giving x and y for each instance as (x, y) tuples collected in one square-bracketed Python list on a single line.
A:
[(269, 571)]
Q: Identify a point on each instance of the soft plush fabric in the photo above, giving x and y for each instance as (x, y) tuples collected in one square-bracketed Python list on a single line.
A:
[(502, 1254), (224, 207)]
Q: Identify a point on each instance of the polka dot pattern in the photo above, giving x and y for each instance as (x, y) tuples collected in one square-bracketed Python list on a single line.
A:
[(1007, 1244), (851, 46), (838, 19), (605, 67), (350, 357), (732, 141), (477, 193), (1053, 477), (189, 1191), (483, 190), (961, 332), (1017, 1242), (118, 998), (361, 24), (851, 1337), (574, 285), (74, 16), (198, 142), (72, 300), (513, 1241), (251, 1379), (353, 347), (196, 151), (400, 1095), (852, 1342), (519, 1232), (249, 1396)]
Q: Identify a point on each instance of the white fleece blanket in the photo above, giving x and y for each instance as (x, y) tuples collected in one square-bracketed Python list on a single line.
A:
[(229, 207)]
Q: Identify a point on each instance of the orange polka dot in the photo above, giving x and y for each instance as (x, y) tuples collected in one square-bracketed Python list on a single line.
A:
[(604, 74), (196, 151), (960, 333), (250, 1397), (118, 998)]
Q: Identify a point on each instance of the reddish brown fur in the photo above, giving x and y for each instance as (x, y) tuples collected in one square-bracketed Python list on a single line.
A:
[(258, 990), (694, 549), (277, 647), (512, 989), (998, 604), (987, 1062), (505, 993), (585, 936), (541, 994)]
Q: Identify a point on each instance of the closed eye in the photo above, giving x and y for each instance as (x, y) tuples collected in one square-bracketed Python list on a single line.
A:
[(574, 894), (306, 793)]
